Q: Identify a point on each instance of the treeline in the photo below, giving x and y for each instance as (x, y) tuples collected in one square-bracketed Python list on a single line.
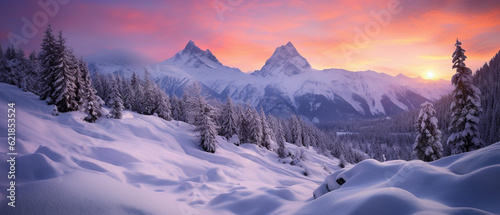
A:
[(64, 81), (393, 137)]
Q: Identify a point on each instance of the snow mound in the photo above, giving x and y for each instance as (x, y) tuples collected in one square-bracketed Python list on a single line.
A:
[(460, 184)]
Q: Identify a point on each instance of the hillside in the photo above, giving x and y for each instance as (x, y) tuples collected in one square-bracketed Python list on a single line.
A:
[(143, 165)]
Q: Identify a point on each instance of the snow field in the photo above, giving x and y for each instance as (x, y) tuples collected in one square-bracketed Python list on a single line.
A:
[(143, 165)]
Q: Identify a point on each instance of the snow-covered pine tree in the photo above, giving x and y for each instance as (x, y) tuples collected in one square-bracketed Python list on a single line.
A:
[(176, 105), (207, 128), (64, 95), (79, 83), (162, 104), (229, 126), (296, 130), (99, 83), (244, 126), (18, 68), (136, 93), (33, 74), (125, 91), (149, 95), (266, 131), (8, 75), (92, 103), (192, 102), (281, 151), (115, 100), (48, 64), (255, 127), (4, 68), (465, 108), (428, 141)]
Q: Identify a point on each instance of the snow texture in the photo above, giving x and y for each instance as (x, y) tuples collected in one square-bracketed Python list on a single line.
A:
[(146, 165)]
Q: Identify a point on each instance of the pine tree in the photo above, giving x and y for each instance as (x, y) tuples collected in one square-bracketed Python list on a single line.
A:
[(266, 131), (125, 91), (176, 105), (281, 151), (148, 99), (162, 105), (255, 127), (192, 102), (465, 108), (296, 130), (428, 141), (92, 103), (115, 100), (47, 57), (4, 67), (228, 125), (33, 74), (136, 93), (206, 126), (64, 95)]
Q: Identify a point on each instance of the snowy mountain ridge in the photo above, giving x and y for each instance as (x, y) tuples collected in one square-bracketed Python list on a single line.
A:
[(287, 84)]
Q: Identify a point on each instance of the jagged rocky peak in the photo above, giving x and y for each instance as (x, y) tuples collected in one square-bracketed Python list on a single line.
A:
[(285, 60), (194, 56), (191, 48)]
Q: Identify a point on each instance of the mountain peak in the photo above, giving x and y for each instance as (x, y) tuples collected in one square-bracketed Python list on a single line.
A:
[(193, 56), (191, 48), (285, 60)]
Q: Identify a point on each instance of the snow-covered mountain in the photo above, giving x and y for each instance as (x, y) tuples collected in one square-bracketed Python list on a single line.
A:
[(285, 60), (287, 84)]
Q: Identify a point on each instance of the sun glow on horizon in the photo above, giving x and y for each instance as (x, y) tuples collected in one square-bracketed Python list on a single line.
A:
[(430, 75)]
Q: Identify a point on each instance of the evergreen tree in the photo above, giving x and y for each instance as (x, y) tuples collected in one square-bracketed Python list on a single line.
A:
[(296, 130), (281, 151), (8, 74), (192, 102), (136, 93), (64, 95), (47, 57), (255, 127), (206, 126), (228, 125), (428, 141), (162, 105), (266, 131), (176, 105), (33, 74), (92, 103), (115, 100), (126, 93), (465, 107), (148, 99)]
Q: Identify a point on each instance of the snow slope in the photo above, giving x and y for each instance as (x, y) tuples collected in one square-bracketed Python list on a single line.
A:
[(145, 165), (142, 165), (461, 184)]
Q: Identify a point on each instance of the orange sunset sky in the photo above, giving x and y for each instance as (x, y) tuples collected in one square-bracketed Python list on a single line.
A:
[(393, 36)]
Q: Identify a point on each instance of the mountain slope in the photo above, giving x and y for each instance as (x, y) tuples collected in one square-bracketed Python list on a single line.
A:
[(145, 165), (142, 165), (287, 84)]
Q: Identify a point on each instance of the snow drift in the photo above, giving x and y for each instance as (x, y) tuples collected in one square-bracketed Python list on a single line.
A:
[(462, 184)]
